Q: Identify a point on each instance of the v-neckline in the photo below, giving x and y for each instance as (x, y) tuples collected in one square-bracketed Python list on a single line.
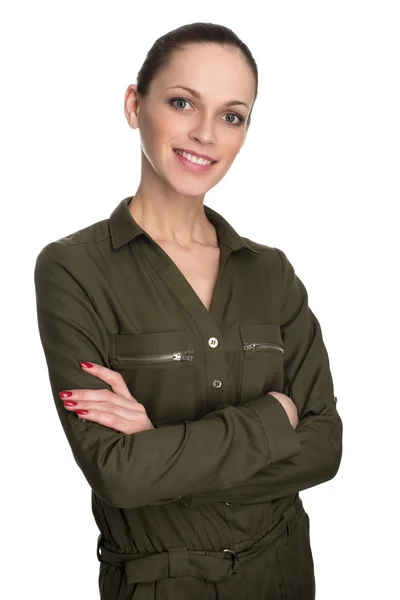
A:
[(179, 284), (173, 265)]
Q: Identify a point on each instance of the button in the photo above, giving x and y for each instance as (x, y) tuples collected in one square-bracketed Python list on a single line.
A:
[(179, 497), (217, 383), (213, 342), (228, 503)]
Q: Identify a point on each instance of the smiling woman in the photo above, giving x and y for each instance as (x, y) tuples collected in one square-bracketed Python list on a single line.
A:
[(191, 353)]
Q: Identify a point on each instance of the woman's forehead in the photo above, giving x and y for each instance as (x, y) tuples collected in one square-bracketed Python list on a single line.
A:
[(206, 71)]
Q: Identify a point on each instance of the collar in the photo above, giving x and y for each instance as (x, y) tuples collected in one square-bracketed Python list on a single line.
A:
[(124, 228)]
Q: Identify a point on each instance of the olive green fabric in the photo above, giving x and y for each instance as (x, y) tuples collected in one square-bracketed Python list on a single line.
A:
[(224, 461), (276, 564)]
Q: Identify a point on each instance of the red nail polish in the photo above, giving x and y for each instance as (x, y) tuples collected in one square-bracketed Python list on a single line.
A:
[(70, 403), (82, 412), (87, 365), (65, 394)]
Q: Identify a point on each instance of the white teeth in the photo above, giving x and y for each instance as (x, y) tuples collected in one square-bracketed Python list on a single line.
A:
[(194, 159)]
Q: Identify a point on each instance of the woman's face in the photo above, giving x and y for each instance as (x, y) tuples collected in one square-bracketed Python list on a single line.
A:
[(171, 117)]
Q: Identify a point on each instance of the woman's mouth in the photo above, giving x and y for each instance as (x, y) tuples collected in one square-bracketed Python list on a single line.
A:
[(192, 163)]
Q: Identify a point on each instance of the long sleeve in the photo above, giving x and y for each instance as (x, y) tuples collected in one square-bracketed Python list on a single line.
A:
[(154, 466), (308, 382)]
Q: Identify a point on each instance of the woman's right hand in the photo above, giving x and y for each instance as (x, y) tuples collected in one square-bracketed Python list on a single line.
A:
[(289, 406)]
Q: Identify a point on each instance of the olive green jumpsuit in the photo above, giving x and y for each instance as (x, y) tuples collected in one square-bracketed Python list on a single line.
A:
[(205, 506)]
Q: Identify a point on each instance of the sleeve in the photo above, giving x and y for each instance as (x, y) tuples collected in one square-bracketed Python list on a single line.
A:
[(154, 466), (308, 382)]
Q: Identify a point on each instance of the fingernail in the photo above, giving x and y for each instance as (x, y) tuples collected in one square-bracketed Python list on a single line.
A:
[(86, 365), (65, 394), (70, 403), (82, 412)]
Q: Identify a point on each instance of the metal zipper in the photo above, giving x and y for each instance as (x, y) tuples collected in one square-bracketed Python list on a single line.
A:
[(263, 346), (157, 358)]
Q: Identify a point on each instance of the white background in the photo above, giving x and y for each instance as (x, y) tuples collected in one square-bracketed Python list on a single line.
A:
[(317, 177)]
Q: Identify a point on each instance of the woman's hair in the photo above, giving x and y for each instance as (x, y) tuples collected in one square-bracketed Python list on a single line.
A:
[(194, 33)]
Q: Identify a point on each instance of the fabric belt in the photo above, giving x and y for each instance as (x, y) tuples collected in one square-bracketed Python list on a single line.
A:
[(212, 565)]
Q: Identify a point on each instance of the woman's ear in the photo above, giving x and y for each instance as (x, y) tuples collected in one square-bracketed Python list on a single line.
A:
[(131, 106)]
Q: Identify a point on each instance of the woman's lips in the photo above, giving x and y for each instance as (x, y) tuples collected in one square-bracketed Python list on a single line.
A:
[(192, 153), (189, 166)]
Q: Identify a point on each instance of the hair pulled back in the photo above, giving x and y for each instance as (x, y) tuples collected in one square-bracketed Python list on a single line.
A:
[(194, 33)]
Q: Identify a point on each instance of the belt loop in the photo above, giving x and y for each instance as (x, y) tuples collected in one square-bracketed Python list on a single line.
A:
[(99, 541), (178, 561), (291, 518)]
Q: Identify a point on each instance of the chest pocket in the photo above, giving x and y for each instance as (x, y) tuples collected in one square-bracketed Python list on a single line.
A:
[(263, 364), (158, 369)]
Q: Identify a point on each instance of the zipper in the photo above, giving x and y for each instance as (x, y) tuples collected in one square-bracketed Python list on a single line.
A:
[(157, 358), (263, 346)]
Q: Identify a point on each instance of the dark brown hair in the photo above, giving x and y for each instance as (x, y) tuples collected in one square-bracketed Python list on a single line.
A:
[(194, 33)]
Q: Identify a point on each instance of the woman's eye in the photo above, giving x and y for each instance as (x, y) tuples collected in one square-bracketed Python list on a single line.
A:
[(184, 101), (240, 119), (178, 100)]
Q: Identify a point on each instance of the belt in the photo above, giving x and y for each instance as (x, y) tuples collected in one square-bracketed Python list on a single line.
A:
[(212, 565)]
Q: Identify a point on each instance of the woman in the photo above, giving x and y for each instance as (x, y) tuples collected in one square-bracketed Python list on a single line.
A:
[(188, 372)]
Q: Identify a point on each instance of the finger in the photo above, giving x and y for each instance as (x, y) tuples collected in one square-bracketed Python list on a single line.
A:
[(131, 411), (104, 397), (122, 420), (113, 378)]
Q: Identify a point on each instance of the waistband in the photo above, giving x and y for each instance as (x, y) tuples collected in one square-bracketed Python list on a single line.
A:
[(212, 565)]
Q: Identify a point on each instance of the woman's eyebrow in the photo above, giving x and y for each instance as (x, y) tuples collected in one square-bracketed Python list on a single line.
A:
[(198, 95)]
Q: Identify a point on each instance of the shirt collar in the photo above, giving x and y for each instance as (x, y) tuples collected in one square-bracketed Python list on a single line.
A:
[(124, 228)]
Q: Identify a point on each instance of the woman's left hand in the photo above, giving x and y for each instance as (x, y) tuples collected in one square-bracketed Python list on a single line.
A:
[(118, 409)]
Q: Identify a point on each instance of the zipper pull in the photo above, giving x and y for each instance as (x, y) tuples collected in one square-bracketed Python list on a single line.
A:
[(182, 356), (261, 345), (248, 346)]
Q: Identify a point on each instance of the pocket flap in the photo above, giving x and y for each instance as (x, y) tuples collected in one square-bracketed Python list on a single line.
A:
[(261, 332), (137, 344)]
